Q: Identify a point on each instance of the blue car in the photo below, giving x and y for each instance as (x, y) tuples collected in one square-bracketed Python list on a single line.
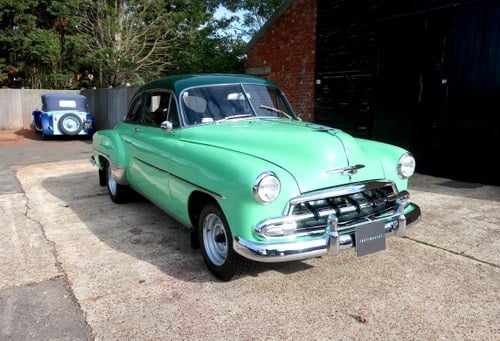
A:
[(63, 114)]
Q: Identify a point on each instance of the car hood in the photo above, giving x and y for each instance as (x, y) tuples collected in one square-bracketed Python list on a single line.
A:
[(316, 156)]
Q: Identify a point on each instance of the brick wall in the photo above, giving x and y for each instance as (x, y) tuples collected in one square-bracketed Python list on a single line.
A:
[(285, 54)]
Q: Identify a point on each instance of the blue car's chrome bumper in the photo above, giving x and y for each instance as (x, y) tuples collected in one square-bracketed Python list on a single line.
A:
[(330, 243)]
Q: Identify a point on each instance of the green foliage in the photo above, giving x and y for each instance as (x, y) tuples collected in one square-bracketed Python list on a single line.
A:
[(255, 12), (206, 51), (102, 43), (33, 44), (205, 55)]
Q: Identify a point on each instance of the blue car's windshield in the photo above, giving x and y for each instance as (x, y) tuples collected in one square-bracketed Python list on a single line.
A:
[(224, 102)]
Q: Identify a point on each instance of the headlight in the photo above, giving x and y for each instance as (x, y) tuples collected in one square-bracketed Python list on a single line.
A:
[(406, 165), (266, 187)]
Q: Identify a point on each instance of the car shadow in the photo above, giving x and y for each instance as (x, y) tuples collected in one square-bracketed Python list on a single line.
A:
[(30, 134), (142, 230), (443, 186)]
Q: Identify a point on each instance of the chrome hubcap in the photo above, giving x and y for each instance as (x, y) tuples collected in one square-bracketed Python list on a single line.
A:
[(111, 182), (215, 239), (71, 124)]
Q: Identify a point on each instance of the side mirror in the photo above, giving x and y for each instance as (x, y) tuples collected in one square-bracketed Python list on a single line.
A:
[(166, 126)]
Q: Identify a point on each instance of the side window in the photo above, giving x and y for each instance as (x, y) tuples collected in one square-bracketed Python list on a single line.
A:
[(134, 113), (156, 108)]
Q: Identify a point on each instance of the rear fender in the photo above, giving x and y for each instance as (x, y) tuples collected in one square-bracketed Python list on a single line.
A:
[(107, 147), (91, 130), (47, 128), (37, 114)]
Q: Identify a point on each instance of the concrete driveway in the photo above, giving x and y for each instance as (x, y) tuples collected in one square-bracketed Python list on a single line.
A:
[(97, 270)]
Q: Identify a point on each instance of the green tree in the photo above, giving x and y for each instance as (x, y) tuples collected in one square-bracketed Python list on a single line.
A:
[(254, 14), (136, 41), (205, 50), (122, 38), (74, 43), (32, 43)]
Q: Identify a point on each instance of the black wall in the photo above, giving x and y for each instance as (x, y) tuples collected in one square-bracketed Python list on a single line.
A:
[(346, 51), (424, 75)]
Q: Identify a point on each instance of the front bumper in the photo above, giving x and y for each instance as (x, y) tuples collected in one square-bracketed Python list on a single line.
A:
[(330, 243)]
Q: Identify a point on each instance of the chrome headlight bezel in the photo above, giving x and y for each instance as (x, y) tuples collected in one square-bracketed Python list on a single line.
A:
[(266, 187), (406, 166)]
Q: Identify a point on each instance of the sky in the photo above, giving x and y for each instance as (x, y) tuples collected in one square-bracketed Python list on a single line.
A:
[(223, 12)]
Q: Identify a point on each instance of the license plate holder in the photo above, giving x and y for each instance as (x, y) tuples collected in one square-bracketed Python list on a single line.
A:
[(370, 238)]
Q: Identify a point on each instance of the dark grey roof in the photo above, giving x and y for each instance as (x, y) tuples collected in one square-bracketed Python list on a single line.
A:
[(64, 101)]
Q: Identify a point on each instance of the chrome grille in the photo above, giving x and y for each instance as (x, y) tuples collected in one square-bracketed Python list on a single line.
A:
[(350, 204)]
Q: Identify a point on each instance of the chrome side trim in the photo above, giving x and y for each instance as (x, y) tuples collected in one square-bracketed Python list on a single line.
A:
[(201, 189)]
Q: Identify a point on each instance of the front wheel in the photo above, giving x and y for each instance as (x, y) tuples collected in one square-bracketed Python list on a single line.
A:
[(216, 243), (118, 193)]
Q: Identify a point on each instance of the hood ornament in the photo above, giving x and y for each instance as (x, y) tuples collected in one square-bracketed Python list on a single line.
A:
[(349, 171)]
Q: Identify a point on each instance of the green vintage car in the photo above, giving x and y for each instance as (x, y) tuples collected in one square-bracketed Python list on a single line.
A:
[(228, 158)]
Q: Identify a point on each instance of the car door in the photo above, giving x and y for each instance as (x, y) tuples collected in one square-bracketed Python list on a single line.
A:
[(149, 145)]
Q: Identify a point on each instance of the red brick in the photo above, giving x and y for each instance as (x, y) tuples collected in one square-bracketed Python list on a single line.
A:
[(288, 48)]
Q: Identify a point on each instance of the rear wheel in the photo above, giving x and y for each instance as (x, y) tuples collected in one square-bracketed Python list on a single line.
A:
[(216, 243), (118, 193)]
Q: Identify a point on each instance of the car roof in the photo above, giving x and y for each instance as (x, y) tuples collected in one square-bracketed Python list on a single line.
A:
[(52, 101), (180, 82), (63, 95)]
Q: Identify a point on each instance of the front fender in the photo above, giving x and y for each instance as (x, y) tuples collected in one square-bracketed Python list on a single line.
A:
[(388, 157), (229, 176)]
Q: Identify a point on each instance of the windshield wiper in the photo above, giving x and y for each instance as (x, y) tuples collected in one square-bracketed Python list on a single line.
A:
[(233, 117), (276, 110)]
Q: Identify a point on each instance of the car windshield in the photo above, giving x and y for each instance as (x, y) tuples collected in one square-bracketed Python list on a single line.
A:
[(217, 103)]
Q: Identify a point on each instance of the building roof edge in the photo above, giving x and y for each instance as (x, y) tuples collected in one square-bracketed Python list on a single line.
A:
[(268, 24)]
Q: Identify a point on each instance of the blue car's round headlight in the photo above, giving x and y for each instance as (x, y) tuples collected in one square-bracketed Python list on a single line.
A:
[(406, 165), (266, 187)]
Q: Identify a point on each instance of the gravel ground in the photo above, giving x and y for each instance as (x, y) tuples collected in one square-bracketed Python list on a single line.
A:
[(96, 270)]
